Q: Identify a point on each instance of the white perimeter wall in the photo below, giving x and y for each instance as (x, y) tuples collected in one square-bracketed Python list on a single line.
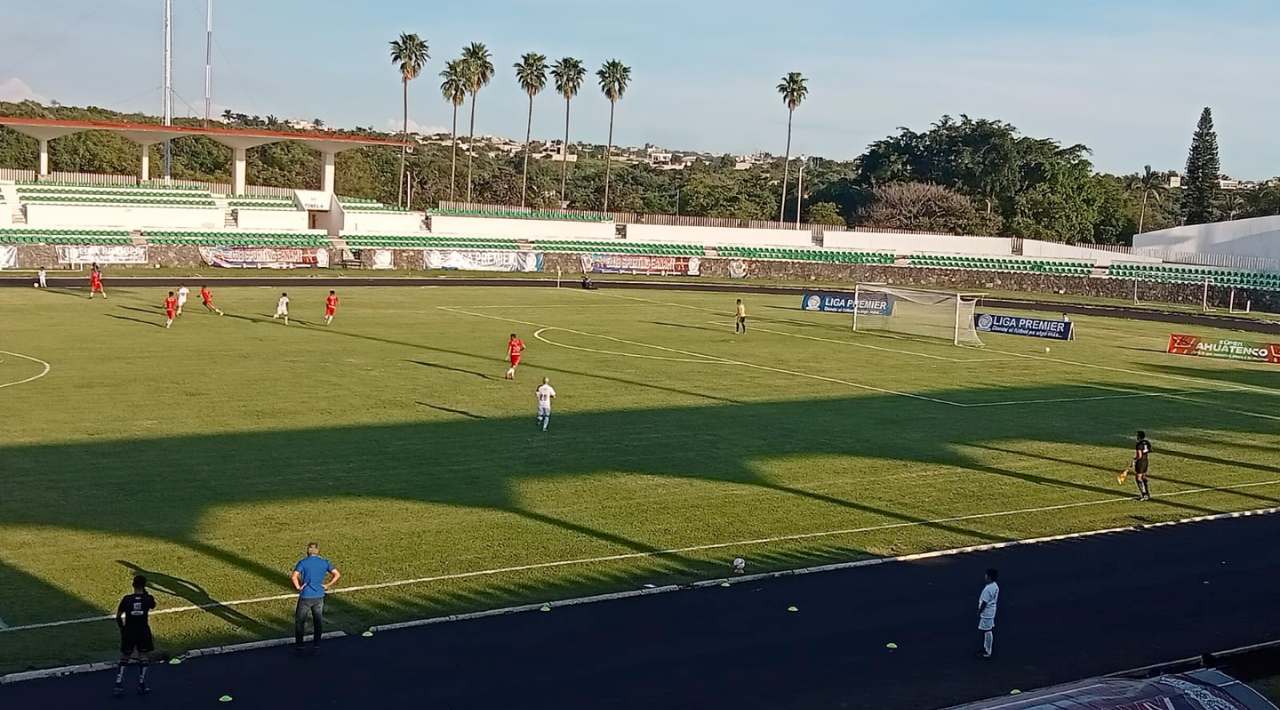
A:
[(918, 243), (382, 222), (1255, 237), (719, 235), (498, 228), (1054, 250), (291, 220), (103, 216)]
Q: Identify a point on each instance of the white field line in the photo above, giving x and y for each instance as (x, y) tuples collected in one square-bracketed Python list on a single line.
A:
[(44, 372), (710, 358), (734, 544), (872, 347), (539, 335), (1097, 398)]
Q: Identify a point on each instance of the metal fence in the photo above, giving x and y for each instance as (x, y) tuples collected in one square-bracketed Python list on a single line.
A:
[(108, 180), (667, 220)]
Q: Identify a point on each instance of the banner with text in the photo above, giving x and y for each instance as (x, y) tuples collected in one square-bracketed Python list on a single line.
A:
[(1224, 348), (265, 257), (868, 304), (641, 264), (1017, 325), (102, 254), (476, 260), (8, 257)]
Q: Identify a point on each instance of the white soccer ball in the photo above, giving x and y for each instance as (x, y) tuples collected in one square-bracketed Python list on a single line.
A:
[(739, 565), (36, 284), (1046, 349)]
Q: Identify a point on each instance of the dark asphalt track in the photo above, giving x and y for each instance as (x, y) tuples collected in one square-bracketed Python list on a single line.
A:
[(1068, 609), (1030, 304)]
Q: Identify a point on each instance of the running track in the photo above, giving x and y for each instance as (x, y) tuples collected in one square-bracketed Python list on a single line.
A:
[(1069, 609)]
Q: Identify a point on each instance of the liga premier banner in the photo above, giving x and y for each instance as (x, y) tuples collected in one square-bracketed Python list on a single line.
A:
[(1017, 325), (476, 260), (8, 257), (102, 254), (877, 304), (641, 264), (1224, 348), (265, 257)]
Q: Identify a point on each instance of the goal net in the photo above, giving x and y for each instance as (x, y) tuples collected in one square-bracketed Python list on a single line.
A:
[(921, 312)]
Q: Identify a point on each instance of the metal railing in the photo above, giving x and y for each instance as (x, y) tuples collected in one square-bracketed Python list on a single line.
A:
[(667, 220), (109, 180)]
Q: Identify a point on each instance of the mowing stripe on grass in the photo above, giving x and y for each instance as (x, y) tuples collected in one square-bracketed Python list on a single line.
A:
[(43, 372), (722, 545)]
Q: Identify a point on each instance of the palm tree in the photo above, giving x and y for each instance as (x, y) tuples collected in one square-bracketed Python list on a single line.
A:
[(228, 115), (568, 73), (1152, 184), (793, 91), (454, 89), (531, 72), (614, 77), (477, 70), (408, 53)]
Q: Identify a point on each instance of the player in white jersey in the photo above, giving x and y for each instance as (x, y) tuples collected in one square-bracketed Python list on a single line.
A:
[(183, 292), (545, 393), (282, 308), (987, 602)]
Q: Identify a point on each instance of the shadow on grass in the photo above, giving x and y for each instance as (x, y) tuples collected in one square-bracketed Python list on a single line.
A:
[(194, 594), (134, 320), (436, 462)]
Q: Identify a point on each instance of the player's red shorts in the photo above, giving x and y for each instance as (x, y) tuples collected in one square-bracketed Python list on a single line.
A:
[(330, 310), (169, 313), (515, 360), (95, 286)]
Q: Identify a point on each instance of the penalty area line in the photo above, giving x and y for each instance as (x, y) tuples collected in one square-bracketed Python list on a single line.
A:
[(744, 543), (36, 360)]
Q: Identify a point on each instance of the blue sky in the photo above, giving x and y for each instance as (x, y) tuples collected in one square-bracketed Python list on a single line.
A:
[(1113, 75)]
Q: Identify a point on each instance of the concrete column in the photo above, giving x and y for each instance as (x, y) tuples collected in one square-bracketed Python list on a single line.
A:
[(237, 171), (326, 175), (146, 162), (44, 157)]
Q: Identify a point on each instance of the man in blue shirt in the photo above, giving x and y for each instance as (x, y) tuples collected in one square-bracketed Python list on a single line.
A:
[(311, 579)]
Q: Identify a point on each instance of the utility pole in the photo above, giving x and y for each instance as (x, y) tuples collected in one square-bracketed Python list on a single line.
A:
[(800, 189), (208, 61), (168, 85)]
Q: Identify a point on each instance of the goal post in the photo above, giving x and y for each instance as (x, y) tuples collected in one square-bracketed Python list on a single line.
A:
[(920, 312)]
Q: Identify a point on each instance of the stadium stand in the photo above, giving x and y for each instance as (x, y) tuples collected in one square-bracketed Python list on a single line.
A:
[(518, 214), (15, 235), (1178, 273), (999, 263), (237, 238), (820, 255)]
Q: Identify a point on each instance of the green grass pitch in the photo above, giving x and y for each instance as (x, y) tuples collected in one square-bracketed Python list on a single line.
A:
[(208, 455)]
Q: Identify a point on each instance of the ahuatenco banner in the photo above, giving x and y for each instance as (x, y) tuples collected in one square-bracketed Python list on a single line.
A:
[(1224, 348), (641, 264), (479, 260), (873, 304), (1016, 325), (265, 257)]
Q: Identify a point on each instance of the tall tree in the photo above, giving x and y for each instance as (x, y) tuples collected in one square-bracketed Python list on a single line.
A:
[(568, 73), (454, 89), (793, 91), (1152, 185), (531, 72), (478, 70), (408, 53), (1200, 184), (614, 77)]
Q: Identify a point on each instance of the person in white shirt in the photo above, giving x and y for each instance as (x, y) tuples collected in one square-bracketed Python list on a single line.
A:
[(545, 393), (183, 292), (41, 275), (987, 602), (282, 308)]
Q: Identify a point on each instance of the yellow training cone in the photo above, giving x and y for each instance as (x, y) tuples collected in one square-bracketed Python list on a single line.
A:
[(225, 699), (792, 608), (367, 634), (1015, 691), (545, 607), (891, 645)]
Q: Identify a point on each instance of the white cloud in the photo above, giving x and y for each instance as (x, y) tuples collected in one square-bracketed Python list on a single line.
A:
[(15, 89), (395, 124)]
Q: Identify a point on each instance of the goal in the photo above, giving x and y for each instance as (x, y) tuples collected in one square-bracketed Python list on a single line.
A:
[(912, 311)]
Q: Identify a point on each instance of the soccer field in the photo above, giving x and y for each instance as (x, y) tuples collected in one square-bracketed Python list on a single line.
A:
[(209, 454)]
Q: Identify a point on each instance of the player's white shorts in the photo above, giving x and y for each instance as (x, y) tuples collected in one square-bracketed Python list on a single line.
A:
[(985, 624), (543, 411), (282, 311), (182, 301)]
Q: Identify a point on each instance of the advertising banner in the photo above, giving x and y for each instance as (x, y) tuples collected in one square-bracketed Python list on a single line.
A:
[(1017, 325), (477, 260), (1204, 689), (1224, 348), (641, 264), (868, 304), (382, 259), (102, 254), (8, 257), (265, 257)]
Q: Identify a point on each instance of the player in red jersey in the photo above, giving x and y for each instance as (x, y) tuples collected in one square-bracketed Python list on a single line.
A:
[(207, 299), (170, 309), (330, 307), (95, 282), (515, 347)]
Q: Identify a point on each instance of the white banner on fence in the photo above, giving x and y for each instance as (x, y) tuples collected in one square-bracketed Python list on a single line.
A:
[(265, 257), (102, 254), (474, 260), (383, 259), (8, 257)]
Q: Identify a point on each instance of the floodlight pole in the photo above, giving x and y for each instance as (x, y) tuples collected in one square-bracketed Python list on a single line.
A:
[(800, 189), (1204, 299), (208, 61), (168, 85)]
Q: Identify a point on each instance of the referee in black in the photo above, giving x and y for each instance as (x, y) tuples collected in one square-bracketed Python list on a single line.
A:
[(132, 616), (1141, 461)]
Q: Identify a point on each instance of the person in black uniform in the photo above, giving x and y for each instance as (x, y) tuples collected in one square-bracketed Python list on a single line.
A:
[(1141, 461), (135, 633)]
